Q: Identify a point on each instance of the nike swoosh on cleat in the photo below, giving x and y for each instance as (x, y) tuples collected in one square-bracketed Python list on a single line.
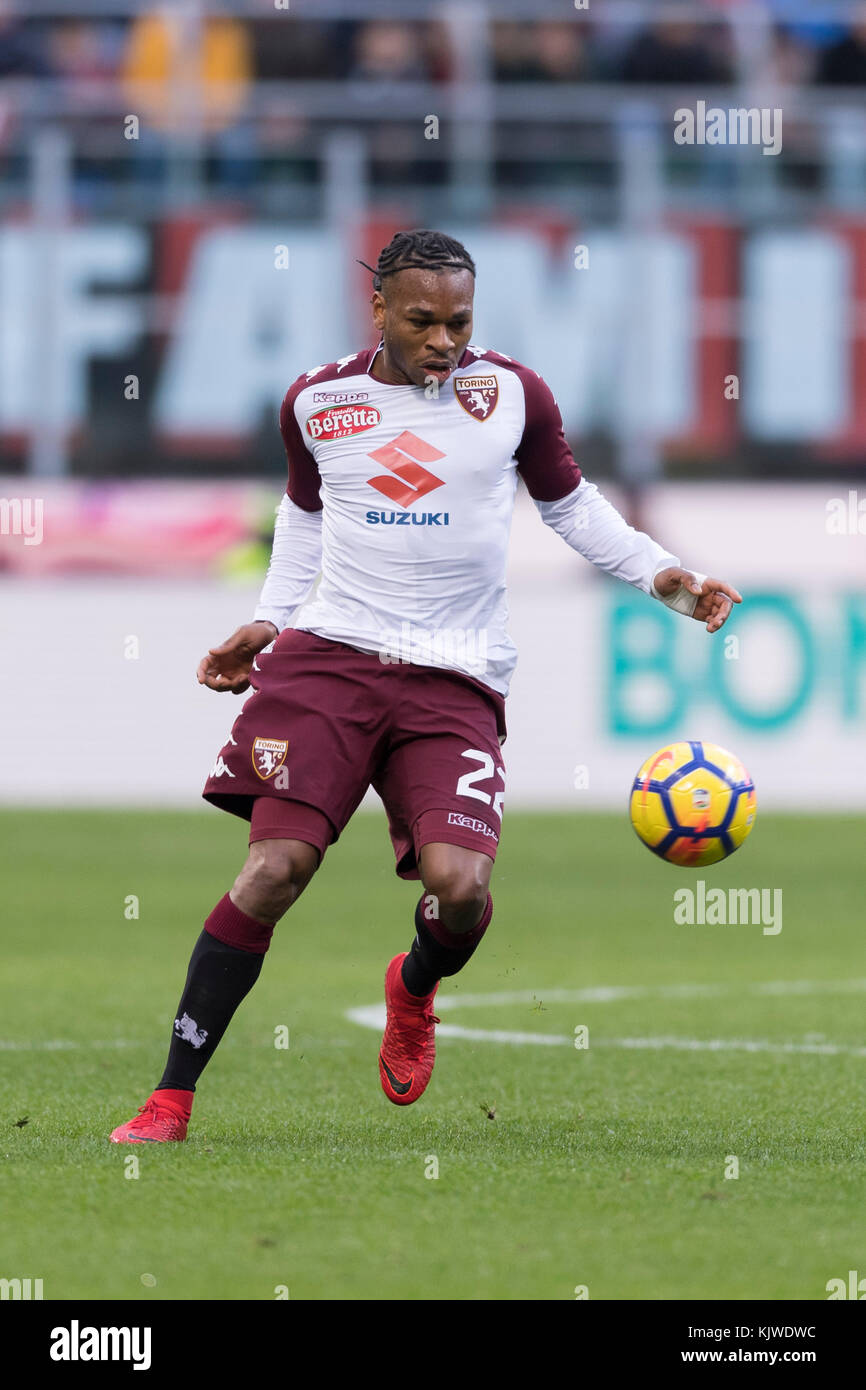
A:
[(401, 1087)]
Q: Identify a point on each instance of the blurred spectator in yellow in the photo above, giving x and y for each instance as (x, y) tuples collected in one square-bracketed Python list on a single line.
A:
[(187, 75), (175, 61)]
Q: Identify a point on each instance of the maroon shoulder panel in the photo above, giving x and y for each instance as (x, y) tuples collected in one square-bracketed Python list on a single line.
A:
[(304, 481), (544, 460)]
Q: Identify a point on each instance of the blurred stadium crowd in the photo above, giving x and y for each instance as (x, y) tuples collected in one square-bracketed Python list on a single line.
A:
[(234, 49), (257, 92), (150, 60)]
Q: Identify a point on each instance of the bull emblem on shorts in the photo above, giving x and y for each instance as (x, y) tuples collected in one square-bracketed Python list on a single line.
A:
[(269, 754), (477, 395)]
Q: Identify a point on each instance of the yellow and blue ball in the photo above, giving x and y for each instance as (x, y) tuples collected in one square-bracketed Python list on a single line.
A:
[(692, 803)]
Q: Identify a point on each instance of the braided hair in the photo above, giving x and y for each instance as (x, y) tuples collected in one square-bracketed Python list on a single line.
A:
[(423, 249)]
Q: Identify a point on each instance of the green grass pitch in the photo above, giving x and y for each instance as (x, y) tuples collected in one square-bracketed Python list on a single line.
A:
[(602, 1166)]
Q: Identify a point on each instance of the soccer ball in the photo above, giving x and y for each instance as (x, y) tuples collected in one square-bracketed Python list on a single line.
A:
[(692, 804)]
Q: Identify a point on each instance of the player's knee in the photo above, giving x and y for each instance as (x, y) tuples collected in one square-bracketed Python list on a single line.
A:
[(274, 876), (459, 887)]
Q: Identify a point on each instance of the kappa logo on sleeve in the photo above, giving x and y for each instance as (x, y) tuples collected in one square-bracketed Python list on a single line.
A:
[(339, 397)]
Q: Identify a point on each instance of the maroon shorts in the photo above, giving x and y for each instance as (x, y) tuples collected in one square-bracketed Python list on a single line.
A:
[(328, 721)]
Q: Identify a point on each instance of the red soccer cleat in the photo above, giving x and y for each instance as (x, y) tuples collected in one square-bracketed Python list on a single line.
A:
[(164, 1116), (408, 1048)]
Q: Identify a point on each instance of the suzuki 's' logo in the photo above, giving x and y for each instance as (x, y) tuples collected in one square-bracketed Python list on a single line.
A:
[(401, 457)]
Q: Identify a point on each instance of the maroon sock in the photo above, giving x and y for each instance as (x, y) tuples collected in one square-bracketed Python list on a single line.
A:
[(437, 952), (227, 923)]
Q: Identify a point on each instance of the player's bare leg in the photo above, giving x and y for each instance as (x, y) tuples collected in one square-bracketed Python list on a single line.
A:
[(274, 876), (225, 964), (450, 920)]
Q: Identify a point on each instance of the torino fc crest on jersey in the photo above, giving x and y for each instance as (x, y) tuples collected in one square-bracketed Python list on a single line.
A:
[(477, 395), (269, 754)]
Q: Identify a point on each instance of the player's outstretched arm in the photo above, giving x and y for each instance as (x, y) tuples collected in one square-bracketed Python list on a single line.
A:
[(702, 598), (573, 507), (590, 525), (228, 666)]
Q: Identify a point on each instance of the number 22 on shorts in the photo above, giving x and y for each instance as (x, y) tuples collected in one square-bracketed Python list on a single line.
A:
[(487, 769)]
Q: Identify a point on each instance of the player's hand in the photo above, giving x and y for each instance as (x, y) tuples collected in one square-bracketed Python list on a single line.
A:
[(228, 666), (715, 598)]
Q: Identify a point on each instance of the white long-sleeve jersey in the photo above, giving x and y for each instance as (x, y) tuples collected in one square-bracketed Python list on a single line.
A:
[(403, 498)]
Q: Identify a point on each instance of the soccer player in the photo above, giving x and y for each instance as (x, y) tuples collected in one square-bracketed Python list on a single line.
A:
[(403, 463)]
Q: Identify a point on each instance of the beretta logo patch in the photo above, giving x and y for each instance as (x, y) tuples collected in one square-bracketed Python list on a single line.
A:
[(339, 421)]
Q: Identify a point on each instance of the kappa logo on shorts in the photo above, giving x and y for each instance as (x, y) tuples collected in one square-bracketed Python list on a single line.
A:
[(477, 395), (471, 823), (269, 754)]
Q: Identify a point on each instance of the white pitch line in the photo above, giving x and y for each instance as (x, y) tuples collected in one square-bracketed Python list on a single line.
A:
[(611, 994), (373, 1016)]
